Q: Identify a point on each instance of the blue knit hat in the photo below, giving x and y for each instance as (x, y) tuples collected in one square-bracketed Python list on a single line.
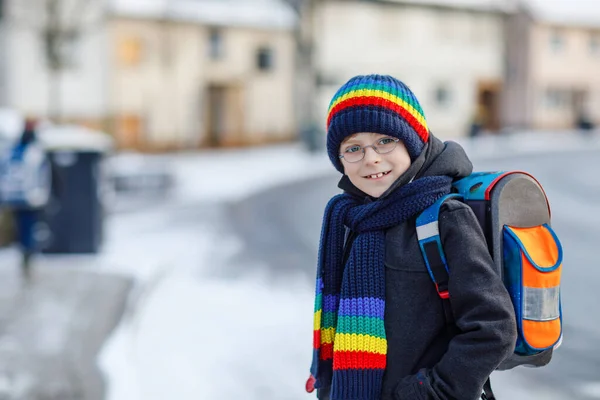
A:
[(379, 104)]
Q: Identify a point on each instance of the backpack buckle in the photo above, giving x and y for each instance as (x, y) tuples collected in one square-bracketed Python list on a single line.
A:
[(442, 291)]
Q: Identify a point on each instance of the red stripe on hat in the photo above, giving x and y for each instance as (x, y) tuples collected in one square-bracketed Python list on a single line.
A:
[(381, 102), (358, 360)]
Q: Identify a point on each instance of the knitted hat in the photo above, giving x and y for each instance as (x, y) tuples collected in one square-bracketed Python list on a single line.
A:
[(378, 104)]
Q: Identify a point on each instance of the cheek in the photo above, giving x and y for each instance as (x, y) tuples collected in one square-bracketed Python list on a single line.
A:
[(403, 163), (354, 176), (350, 169)]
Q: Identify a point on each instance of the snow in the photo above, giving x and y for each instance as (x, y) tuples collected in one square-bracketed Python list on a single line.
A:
[(206, 323), (74, 137), (11, 123), (249, 13), (237, 338), (226, 175), (189, 334), (563, 12), (567, 12), (484, 5)]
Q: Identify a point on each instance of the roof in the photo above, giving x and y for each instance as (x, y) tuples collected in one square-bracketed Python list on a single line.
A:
[(566, 12), (269, 14), (478, 5)]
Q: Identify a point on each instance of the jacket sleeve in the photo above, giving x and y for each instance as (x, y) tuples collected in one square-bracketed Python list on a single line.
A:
[(482, 310)]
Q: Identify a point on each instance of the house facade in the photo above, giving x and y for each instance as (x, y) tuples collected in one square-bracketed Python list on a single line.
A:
[(450, 53), (157, 75), (211, 75), (554, 57)]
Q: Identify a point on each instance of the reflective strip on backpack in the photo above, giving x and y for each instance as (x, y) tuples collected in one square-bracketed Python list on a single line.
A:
[(541, 304), (428, 230)]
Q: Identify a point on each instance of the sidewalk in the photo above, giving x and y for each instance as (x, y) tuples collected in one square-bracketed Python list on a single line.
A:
[(52, 328)]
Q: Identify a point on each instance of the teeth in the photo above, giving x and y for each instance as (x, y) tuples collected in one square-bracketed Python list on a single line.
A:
[(375, 176)]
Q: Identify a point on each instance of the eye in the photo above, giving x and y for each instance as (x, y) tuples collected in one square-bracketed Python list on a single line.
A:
[(386, 140), (353, 149)]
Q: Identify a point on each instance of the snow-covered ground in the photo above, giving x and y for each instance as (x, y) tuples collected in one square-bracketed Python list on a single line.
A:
[(192, 333)]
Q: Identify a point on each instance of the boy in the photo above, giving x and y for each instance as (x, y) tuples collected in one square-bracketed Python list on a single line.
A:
[(381, 331)]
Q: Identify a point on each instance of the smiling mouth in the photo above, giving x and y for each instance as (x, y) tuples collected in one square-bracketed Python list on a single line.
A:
[(377, 176)]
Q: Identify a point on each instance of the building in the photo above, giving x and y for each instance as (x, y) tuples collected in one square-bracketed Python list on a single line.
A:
[(450, 52), (157, 74), (553, 81), (201, 73)]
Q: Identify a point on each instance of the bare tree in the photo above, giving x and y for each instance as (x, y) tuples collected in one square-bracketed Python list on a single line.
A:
[(62, 25)]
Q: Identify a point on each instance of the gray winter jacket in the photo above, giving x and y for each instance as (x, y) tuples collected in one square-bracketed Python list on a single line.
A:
[(425, 359)]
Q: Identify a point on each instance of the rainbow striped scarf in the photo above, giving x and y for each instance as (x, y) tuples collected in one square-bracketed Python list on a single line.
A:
[(349, 344)]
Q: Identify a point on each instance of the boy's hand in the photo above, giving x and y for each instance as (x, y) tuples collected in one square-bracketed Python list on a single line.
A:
[(310, 384)]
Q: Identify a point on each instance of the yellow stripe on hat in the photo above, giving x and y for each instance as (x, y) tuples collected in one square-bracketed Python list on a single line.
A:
[(383, 94)]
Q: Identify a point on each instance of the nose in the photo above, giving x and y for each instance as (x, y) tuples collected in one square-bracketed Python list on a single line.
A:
[(371, 156)]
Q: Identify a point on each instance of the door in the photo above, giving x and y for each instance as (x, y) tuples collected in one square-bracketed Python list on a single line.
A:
[(216, 117), (488, 101)]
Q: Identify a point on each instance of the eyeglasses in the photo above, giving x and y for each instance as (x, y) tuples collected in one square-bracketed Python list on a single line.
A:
[(381, 146)]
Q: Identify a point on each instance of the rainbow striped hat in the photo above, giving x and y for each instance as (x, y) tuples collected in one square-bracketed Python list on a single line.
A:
[(379, 104)]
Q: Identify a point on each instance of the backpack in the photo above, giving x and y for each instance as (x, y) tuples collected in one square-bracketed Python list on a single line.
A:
[(25, 177), (514, 213)]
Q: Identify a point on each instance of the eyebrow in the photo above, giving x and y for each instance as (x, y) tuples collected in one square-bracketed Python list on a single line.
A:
[(349, 144), (355, 141)]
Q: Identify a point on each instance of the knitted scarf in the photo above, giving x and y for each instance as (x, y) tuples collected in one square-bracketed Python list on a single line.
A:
[(349, 342)]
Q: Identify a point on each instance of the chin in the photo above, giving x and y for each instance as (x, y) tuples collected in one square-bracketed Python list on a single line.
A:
[(375, 193)]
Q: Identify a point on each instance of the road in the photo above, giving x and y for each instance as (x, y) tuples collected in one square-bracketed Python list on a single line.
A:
[(282, 227)]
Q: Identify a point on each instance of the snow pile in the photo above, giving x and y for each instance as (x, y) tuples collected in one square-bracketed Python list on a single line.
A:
[(270, 14)]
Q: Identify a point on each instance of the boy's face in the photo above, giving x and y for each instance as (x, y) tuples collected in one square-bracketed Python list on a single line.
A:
[(375, 173)]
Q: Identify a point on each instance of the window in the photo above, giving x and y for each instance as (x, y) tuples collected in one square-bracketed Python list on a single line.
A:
[(443, 97), (215, 44), (264, 59), (130, 51), (557, 99), (557, 41)]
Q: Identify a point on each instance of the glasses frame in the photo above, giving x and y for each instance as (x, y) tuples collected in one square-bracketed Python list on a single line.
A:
[(374, 147)]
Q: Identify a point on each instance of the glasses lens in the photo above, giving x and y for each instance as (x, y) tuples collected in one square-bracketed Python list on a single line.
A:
[(354, 156), (386, 145)]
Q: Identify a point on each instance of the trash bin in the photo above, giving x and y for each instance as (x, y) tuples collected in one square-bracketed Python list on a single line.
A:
[(75, 212)]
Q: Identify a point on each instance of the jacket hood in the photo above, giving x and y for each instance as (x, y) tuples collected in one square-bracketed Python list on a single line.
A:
[(437, 159)]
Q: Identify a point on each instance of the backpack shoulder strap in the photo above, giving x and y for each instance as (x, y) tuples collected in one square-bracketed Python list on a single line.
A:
[(428, 234)]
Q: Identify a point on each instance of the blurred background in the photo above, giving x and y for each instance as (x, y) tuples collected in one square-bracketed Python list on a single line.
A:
[(163, 177)]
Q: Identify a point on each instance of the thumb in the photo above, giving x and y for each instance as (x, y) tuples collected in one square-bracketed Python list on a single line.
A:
[(310, 384)]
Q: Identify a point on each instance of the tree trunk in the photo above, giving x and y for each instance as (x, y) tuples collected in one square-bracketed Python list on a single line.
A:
[(54, 95)]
